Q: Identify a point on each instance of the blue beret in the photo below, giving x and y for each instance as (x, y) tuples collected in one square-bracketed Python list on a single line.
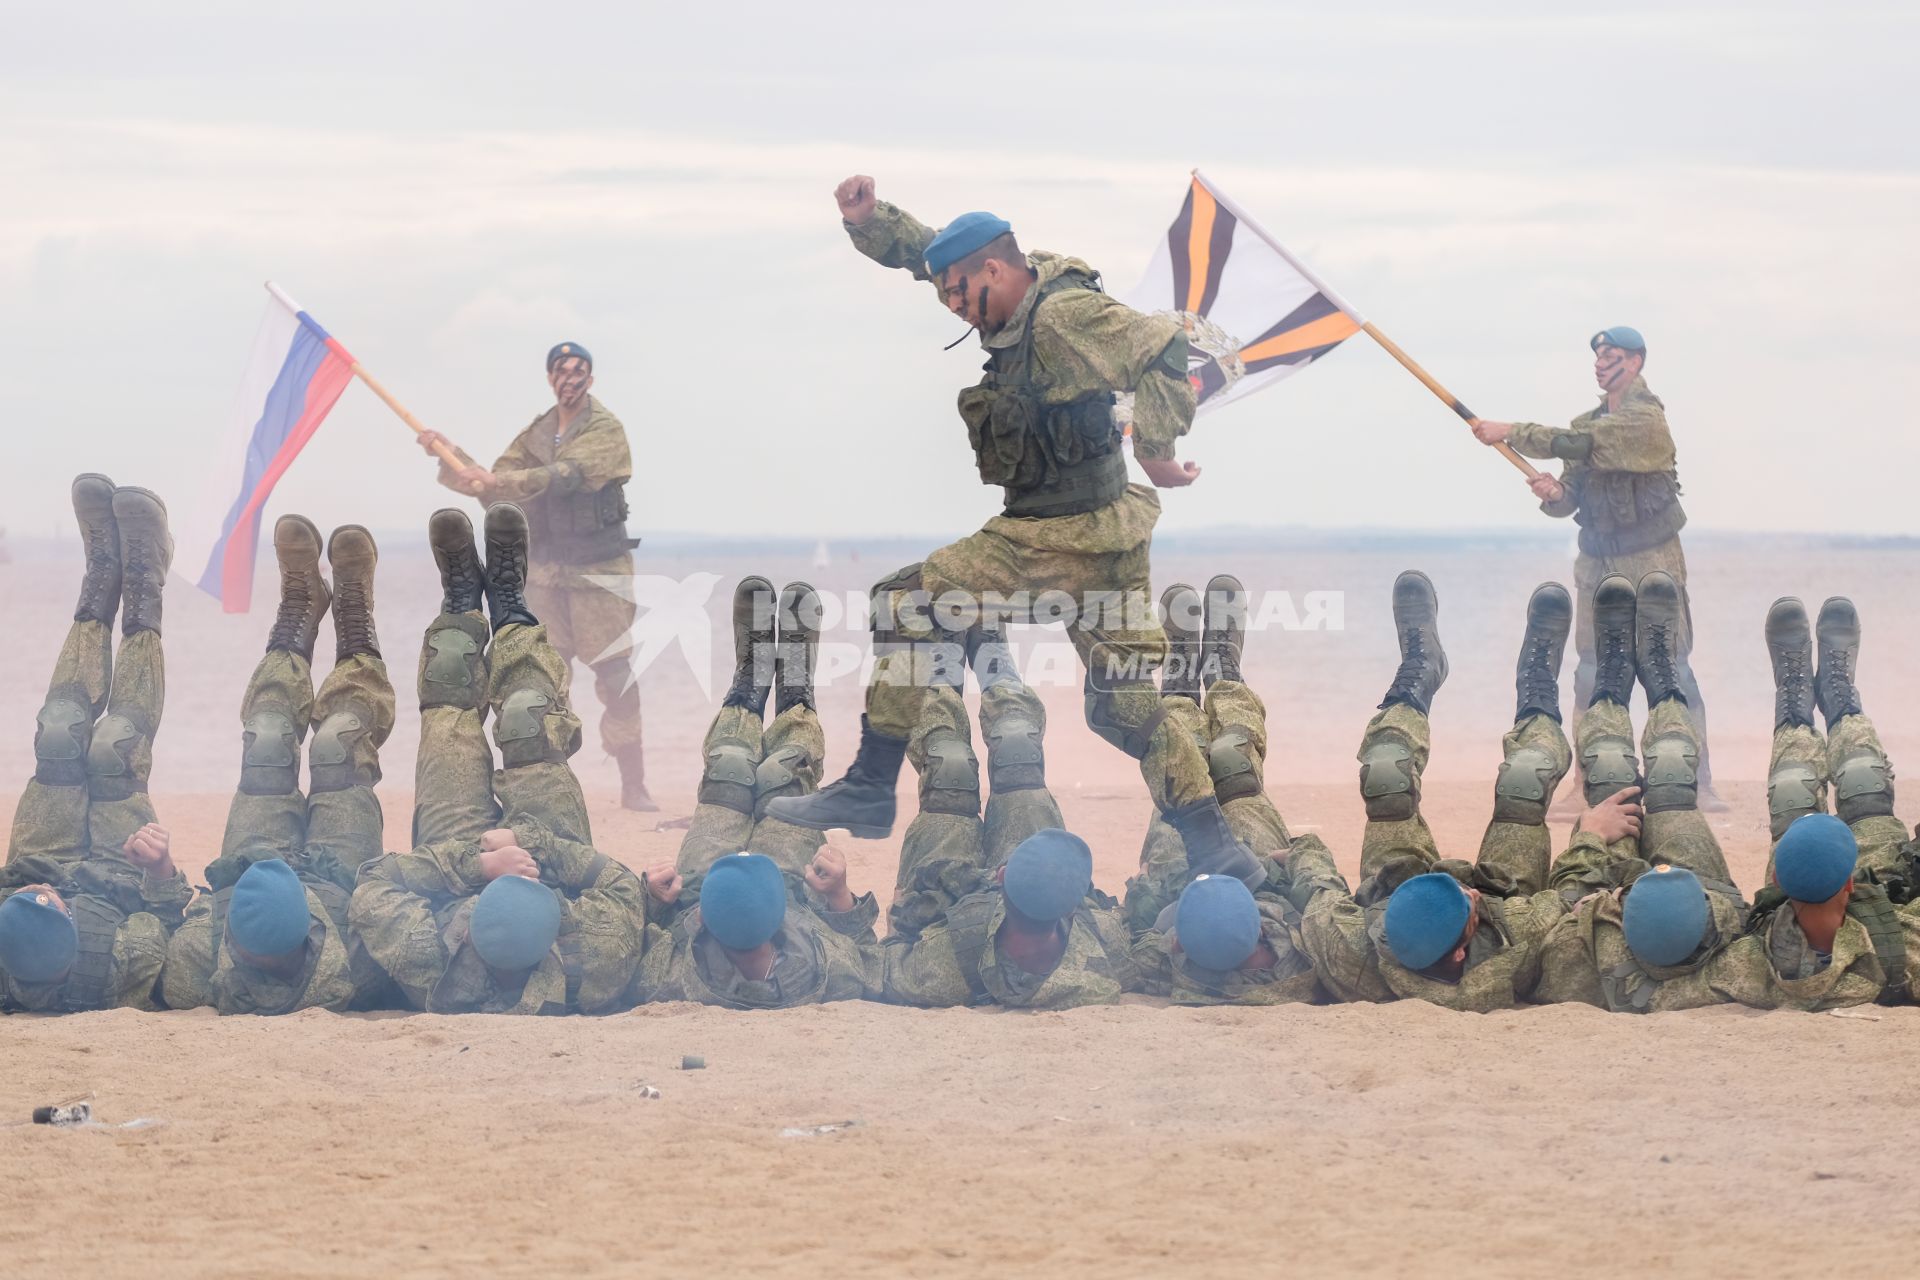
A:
[(1425, 918), (1217, 923), (1665, 916), (267, 913), (37, 939), (743, 900), (1623, 336), (962, 236), (564, 349), (515, 923), (1048, 874), (1815, 858)]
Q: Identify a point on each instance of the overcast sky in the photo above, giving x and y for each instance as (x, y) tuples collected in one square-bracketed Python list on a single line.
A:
[(453, 187)]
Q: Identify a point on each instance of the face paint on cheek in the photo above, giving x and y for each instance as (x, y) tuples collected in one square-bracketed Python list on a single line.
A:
[(981, 317)]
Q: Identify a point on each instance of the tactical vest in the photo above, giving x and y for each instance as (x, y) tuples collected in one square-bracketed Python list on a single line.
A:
[(578, 527), (1871, 906), (1622, 512), (1052, 460), (89, 981)]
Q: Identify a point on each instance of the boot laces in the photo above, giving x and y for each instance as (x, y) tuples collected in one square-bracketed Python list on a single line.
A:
[(1539, 683), (1413, 665), (296, 600), (352, 615), (1660, 655)]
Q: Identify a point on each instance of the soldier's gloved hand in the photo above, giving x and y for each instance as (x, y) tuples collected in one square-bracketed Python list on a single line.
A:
[(1169, 473), (508, 860), (1547, 489), (855, 198), (1614, 818), (151, 849), (826, 875), (663, 883)]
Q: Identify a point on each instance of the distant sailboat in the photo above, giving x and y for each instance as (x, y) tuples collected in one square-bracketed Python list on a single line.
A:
[(821, 559)]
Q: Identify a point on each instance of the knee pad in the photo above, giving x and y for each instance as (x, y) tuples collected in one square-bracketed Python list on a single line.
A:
[(1016, 760), (270, 756), (519, 730), (950, 782), (1792, 792), (729, 777), (1672, 781), (1230, 764), (110, 759), (1862, 788), (777, 774), (451, 675), (1520, 793), (1387, 783), (1608, 765), (331, 756), (61, 737)]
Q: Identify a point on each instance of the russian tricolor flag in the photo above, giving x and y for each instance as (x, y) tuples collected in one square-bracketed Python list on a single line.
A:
[(297, 372)]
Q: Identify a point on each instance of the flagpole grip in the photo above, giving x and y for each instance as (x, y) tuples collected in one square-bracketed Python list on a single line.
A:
[(1447, 397), (440, 448)]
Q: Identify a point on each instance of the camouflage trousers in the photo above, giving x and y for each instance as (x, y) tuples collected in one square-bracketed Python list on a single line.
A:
[(1679, 837), (747, 763), (1119, 649), (1588, 572), (89, 789), (520, 679), (338, 825), (1400, 739), (587, 622), (1230, 728), (1850, 762), (949, 849)]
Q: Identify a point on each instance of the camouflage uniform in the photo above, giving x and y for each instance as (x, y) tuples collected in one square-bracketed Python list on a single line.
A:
[(573, 491), (325, 837), (747, 764), (948, 908), (87, 796), (1585, 958), (1344, 931), (1623, 491), (1080, 346), (411, 912), (1876, 953), (1166, 971), (819, 955)]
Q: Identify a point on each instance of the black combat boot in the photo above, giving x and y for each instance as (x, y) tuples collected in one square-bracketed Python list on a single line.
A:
[(462, 581), (1212, 848), (1838, 631), (1423, 663), (1537, 678), (1226, 630), (799, 647), (1790, 645), (862, 801), (507, 567), (352, 556), (304, 594), (100, 540), (1657, 611), (1181, 619), (146, 553), (1613, 641), (753, 645)]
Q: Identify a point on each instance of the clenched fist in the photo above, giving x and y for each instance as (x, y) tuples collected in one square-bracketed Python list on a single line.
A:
[(826, 875), (855, 198), (151, 849)]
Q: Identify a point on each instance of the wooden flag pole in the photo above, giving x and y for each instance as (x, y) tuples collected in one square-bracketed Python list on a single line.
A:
[(440, 448), (1367, 327)]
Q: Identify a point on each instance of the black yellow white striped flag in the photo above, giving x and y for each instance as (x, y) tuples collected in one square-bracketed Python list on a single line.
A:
[(1253, 312)]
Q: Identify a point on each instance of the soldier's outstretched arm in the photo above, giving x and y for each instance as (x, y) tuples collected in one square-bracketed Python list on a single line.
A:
[(597, 457), (884, 232)]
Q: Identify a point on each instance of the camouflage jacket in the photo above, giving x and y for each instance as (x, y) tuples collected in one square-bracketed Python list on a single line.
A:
[(1619, 474), (1584, 958), (124, 920), (819, 955), (1775, 967), (1166, 971), (958, 961), (1344, 933), (411, 913), (202, 969), (1084, 341)]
